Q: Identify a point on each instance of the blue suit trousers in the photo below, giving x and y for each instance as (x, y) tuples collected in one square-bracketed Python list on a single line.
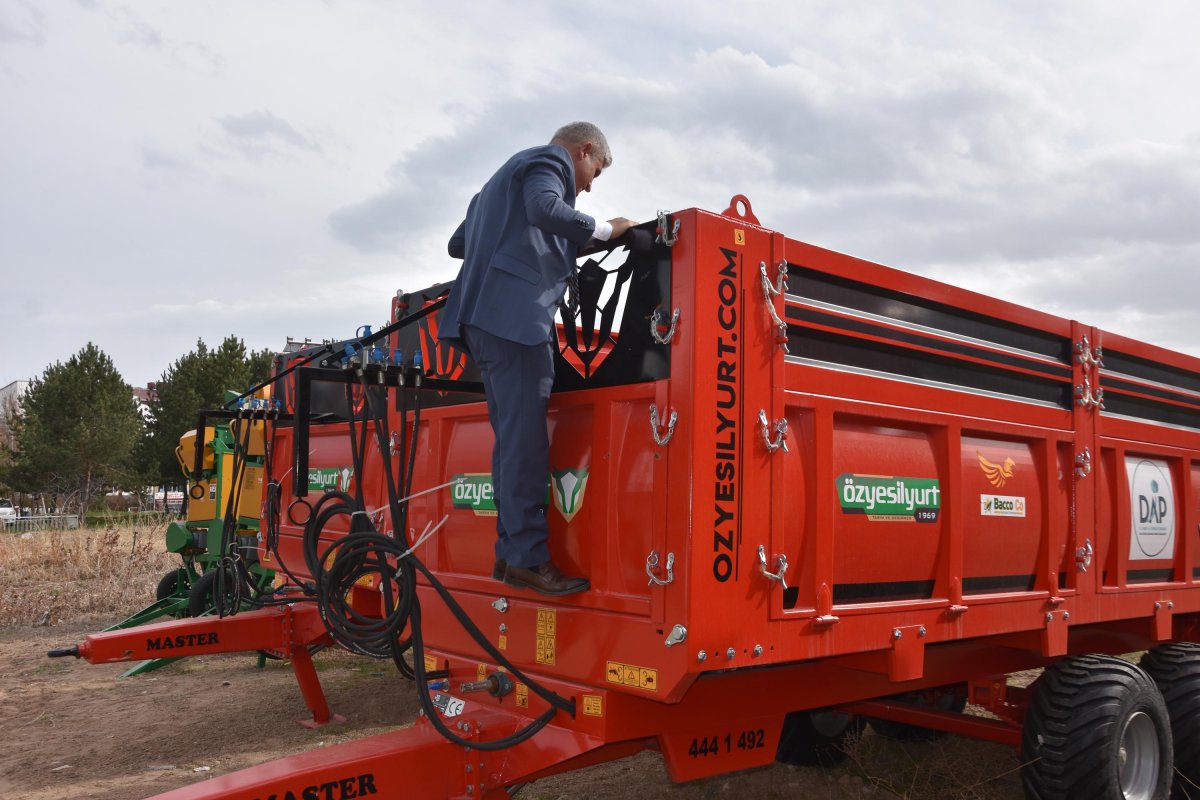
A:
[(516, 380)]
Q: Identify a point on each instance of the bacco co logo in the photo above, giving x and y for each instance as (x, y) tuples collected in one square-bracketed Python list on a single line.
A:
[(996, 505)]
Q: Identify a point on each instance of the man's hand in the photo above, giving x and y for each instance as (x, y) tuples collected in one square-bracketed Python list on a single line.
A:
[(619, 226)]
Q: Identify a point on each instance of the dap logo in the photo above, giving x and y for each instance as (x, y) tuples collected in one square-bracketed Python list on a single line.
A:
[(997, 474), (1152, 509)]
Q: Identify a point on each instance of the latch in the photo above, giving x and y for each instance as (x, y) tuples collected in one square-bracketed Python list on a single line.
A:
[(669, 239), (770, 292), (678, 635), (1083, 556), (1083, 463), (652, 569), (781, 565), (660, 439), (1087, 356), (1086, 397), (781, 426), (656, 322)]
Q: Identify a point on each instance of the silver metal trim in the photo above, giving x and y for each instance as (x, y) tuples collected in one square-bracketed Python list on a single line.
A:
[(1146, 382), (1172, 426), (919, 382), (912, 326)]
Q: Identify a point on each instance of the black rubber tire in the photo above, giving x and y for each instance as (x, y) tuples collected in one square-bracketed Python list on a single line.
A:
[(1175, 669), (202, 597), (1092, 718), (169, 583), (816, 738), (951, 698)]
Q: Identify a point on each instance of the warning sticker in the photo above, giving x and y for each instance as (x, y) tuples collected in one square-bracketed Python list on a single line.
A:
[(430, 663), (630, 675), (546, 631), (522, 696), (593, 705), (739, 236), (480, 672), (502, 643)]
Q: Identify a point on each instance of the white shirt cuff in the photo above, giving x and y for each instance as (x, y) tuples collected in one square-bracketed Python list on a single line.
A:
[(603, 230)]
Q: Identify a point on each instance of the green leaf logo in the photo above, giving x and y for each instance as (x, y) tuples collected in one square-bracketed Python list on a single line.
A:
[(568, 488)]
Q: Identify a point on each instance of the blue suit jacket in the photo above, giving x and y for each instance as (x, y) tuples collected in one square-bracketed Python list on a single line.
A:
[(518, 244)]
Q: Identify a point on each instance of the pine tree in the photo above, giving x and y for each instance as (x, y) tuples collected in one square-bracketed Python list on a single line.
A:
[(197, 380), (77, 431)]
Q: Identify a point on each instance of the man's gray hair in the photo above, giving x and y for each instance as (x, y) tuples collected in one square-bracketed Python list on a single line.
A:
[(578, 133)]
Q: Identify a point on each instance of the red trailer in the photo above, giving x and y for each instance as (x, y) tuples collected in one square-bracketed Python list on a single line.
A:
[(808, 491)]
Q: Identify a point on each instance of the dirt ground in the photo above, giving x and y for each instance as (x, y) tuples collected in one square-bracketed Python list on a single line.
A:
[(74, 730)]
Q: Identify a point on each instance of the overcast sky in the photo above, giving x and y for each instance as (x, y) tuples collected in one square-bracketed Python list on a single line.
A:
[(179, 170)]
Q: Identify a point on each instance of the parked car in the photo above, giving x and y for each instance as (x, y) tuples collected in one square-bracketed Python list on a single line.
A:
[(8, 514)]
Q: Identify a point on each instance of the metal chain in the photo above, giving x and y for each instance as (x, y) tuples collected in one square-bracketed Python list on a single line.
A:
[(770, 292), (781, 426), (656, 320), (669, 239), (661, 441), (652, 565)]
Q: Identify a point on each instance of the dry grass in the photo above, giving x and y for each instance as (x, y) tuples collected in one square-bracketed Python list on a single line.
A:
[(946, 768), (48, 577)]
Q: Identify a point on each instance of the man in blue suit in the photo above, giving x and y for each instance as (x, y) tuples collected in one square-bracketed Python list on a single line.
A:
[(518, 244)]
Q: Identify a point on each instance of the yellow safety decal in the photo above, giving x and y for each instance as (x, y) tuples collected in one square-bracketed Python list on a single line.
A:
[(545, 636), (430, 663), (481, 672), (593, 705), (629, 675), (502, 644), (522, 696), (739, 236)]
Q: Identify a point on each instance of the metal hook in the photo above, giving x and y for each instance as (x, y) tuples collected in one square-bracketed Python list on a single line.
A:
[(669, 239), (781, 565)]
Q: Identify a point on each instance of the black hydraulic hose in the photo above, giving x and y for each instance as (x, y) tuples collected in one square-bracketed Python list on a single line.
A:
[(273, 505), (231, 561), (364, 552)]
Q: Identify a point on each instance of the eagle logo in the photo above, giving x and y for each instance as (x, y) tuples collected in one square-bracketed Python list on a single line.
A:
[(997, 474)]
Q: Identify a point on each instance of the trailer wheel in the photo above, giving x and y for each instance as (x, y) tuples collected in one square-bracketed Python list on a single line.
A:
[(171, 583), (816, 738), (1097, 727), (952, 698), (1175, 669)]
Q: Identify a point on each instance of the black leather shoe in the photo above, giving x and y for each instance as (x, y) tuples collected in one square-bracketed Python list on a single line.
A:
[(545, 579), (498, 569)]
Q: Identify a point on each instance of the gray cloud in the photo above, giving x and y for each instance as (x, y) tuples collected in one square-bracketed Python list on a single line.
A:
[(25, 25), (259, 133), (968, 163), (132, 29)]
